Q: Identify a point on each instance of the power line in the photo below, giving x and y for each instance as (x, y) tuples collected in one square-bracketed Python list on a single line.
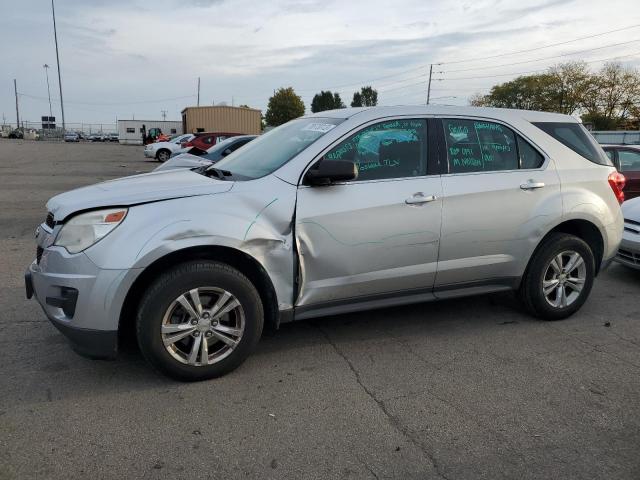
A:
[(159, 100), (533, 71), (544, 58), (541, 48)]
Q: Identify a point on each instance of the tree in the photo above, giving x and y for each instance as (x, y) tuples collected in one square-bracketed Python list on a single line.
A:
[(366, 97), (283, 106), (608, 99), (326, 101), (613, 98)]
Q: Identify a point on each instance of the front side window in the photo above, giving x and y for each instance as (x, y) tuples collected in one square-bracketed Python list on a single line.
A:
[(577, 138), (629, 161), (479, 146), (391, 149), (272, 150)]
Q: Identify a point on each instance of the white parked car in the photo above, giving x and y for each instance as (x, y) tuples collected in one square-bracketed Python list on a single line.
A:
[(161, 151)]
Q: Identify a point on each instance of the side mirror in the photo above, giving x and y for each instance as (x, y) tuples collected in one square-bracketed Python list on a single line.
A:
[(327, 172)]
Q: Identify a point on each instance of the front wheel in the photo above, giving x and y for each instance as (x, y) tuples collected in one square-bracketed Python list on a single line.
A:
[(559, 277), (163, 155), (199, 320)]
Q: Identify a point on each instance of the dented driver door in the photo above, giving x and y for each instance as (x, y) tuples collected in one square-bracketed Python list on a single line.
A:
[(376, 238)]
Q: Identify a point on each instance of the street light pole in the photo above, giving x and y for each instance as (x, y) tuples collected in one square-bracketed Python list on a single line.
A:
[(46, 71), (55, 36)]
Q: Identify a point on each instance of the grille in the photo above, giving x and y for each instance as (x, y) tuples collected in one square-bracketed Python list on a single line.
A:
[(628, 256), (49, 220), (39, 251)]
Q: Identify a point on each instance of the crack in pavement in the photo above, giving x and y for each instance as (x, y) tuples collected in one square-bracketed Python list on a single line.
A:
[(595, 347), (381, 405)]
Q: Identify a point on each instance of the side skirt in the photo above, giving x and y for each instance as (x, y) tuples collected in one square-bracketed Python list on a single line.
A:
[(405, 297)]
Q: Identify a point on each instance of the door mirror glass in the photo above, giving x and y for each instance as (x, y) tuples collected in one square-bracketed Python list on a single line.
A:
[(328, 171)]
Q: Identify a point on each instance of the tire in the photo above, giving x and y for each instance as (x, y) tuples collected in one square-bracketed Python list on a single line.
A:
[(574, 280), (163, 155), (162, 317)]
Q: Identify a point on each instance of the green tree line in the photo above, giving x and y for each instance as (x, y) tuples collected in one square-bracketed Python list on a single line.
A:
[(285, 104), (608, 98)]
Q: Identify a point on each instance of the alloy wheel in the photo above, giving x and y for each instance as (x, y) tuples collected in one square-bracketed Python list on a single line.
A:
[(564, 279), (203, 326)]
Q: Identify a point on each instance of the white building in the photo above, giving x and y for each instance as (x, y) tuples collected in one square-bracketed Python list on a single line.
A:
[(130, 131)]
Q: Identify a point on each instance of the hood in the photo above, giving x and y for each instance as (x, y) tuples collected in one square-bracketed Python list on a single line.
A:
[(127, 191), (184, 160), (631, 209)]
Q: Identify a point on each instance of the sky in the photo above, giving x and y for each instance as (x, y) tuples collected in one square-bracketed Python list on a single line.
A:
[(123, 59)]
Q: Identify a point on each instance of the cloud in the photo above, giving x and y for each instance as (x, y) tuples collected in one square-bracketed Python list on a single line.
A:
[(133, 50)]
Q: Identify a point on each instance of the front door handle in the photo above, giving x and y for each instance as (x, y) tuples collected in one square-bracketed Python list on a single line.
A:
[(419, 198), (531, 185)]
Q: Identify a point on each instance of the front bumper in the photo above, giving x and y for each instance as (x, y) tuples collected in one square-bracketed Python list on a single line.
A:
[(629, 251), (149, 153), (82, 300)]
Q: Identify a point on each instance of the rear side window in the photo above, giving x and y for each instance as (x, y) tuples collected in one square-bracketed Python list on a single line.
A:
[(629, 160), (479, 146), (577, 138), (529, 156)]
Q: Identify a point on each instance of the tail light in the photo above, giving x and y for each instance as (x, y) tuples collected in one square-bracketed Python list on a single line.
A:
[(617, 181)]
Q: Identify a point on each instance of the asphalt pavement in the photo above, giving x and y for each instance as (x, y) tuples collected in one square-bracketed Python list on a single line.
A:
[(461, 389)]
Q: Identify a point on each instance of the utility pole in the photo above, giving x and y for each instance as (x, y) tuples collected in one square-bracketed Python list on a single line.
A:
[(164, 115), (55, 36), (46, 71), (15, 89), (429, 86), (198, 91)]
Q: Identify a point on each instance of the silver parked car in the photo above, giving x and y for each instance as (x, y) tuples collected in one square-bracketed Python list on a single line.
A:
[(335, 212), (629, 252)]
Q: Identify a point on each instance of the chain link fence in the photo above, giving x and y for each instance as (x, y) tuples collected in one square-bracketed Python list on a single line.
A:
[(35, 131)]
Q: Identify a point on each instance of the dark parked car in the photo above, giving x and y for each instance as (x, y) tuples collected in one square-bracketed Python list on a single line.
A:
[(198, 158), (96, 137), (17, 133), (626, 158)]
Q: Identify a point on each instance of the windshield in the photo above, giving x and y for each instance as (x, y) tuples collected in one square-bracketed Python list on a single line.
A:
[(179, 138), (270, 151), (221, 145)]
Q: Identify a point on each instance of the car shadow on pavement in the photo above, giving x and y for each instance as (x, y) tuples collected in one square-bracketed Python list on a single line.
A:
[(130, 372)]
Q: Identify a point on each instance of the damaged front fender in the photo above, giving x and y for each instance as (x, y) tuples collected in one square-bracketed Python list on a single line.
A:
[(254, 217)]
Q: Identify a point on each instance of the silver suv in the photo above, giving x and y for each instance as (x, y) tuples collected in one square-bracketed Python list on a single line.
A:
[(335, 212)]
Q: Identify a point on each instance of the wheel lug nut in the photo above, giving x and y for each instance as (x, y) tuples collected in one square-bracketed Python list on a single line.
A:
[(208, 334), (214, 323), (196, 334), (194, 322)]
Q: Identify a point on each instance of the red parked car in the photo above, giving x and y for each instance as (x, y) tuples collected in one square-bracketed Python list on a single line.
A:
[(626, 158), (204, 141)]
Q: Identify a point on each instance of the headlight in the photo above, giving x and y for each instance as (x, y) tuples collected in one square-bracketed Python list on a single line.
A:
[(85, 229)]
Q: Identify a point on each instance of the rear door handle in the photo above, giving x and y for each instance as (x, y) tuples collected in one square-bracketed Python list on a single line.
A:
[(531, 185), (419, 198)]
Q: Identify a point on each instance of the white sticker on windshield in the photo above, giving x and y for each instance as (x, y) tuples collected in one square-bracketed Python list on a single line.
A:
[(319, 127)]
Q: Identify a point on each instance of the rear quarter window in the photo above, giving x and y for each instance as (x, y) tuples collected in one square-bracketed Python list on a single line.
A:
[(577, 138)]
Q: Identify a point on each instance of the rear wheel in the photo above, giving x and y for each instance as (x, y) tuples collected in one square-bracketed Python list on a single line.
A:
[(559, 278), (199, 320), (163, 155)]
